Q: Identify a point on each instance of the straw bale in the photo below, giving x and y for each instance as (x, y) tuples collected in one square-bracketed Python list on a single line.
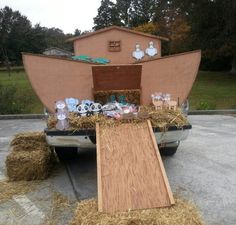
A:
[(30, 158), (24, 165), (28, 137), (30, 146), (132, 96), (52, 121), (159, 118), (183, 212)]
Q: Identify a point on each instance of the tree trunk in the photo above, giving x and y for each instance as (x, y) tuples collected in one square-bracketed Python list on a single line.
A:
[(8, 66), (233, 70)]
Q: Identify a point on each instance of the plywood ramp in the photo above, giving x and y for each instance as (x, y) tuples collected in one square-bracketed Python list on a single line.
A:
[(130, 170)]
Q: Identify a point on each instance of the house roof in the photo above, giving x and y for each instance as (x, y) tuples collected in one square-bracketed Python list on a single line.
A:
[(116, 28), (59, 49)]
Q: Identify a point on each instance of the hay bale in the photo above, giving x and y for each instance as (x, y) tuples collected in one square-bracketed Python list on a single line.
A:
[(25, 165), (30, 147), (132, 95), (159, 118), (52, 121), (28, 137), (183, 212), (31, 158)]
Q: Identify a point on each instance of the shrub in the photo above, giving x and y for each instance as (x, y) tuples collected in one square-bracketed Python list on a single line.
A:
[(204, 105), (11, 102)]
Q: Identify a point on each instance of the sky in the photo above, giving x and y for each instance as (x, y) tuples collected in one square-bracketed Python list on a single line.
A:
[(66, 15)]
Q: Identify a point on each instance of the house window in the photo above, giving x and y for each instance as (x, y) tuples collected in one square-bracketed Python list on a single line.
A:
[(114, 46)]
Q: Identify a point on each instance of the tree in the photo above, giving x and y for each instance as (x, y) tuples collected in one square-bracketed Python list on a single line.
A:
[(213, 29), (142, 11), (37, 39), (55, 37), (13, 32), (17, 35), (124, 11), (77, 32), (107, 15), (130, 13), (150, 28), (170, 21), (179, 35)]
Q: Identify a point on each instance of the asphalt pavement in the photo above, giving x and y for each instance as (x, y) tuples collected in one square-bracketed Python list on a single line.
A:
[(203, 170), (38, 206)]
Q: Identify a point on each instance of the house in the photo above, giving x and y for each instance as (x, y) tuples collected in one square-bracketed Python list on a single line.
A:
[(57, 52), (116, 44)]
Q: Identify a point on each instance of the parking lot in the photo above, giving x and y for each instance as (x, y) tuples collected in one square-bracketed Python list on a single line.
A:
[(203, 171)]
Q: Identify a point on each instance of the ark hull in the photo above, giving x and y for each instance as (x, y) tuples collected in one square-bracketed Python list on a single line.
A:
[(54, 78)]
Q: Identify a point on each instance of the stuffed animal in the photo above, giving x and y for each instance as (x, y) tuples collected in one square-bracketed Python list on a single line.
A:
[(60, 106), (87, 102), (157, 103), (123, 100), (83, 109), (112, 98), (62, 115), (62, 121), (112, 114), (109, 107), (95, 108), (171, 105), (71, 104), (157, 100)]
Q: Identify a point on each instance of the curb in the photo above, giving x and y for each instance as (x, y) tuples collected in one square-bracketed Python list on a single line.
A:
[(195, 112), (22, 116), (213, 112)]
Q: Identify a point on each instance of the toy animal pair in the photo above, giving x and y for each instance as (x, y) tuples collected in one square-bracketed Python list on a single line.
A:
[(160, 100), (83, 108), (89, 108)]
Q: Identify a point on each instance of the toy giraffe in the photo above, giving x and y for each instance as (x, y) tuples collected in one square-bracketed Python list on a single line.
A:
[(171, 105), (157, 103)]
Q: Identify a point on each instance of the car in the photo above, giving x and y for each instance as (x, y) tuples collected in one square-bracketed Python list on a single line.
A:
[(66, 142)]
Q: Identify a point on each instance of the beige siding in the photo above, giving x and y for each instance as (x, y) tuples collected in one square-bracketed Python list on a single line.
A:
[(97, 46)]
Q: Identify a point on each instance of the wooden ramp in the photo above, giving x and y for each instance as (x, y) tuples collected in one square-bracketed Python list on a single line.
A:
[(130, 170)]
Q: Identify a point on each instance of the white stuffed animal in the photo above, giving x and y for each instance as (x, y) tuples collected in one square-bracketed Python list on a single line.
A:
[(62, 115), (60, 106), (95, 108), (71, 104), (83, 109), (62, 121)]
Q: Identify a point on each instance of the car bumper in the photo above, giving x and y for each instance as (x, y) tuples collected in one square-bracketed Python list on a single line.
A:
[(86, 138)]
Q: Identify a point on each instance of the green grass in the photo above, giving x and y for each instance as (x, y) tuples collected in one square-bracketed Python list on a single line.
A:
[(24, 90), (211, 90), (15, 68)]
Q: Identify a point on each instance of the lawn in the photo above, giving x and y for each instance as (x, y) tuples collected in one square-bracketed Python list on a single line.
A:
[(21, 93), (211, 90)]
